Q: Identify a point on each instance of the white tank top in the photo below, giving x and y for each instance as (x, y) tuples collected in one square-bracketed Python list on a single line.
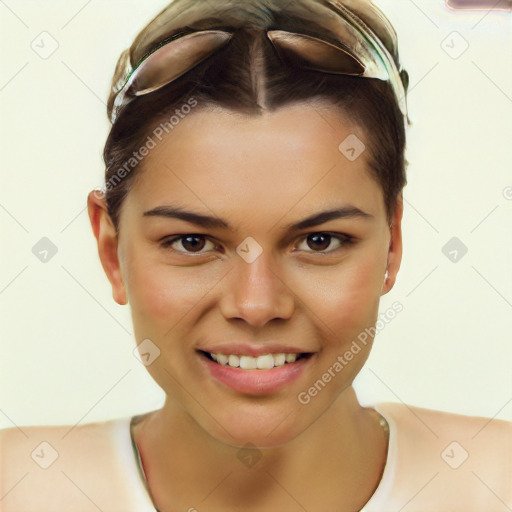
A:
[(436, 462)]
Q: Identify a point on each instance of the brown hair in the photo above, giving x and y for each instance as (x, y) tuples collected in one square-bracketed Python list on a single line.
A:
[(247, 76)]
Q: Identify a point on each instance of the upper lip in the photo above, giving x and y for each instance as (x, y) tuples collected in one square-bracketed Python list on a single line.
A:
[(253, 349)]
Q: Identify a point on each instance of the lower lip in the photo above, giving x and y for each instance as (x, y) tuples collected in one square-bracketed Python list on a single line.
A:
[(256, 382)]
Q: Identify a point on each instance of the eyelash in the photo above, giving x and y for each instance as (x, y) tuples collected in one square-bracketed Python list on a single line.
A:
[(344, 240)]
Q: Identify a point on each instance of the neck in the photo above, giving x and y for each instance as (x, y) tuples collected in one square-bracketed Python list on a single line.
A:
[(334, 464)]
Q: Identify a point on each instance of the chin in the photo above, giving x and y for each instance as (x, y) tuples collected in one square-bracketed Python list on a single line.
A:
[(259, 423)]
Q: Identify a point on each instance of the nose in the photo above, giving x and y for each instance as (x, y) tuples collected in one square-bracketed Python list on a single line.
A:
[(257, 293)]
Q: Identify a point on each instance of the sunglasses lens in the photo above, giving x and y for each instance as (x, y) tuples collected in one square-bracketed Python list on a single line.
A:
[(174, 59), (308, 52)]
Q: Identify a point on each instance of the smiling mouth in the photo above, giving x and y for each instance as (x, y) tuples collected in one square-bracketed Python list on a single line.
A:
[(263, 362)]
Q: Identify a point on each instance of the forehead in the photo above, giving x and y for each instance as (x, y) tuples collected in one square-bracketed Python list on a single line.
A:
[(302, 153)]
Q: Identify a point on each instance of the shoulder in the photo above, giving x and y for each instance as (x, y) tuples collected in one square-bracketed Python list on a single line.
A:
[(459, 462), (440, 423), (65, 467)]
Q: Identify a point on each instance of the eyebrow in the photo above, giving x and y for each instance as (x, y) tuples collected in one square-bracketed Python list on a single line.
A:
[(211, 222)]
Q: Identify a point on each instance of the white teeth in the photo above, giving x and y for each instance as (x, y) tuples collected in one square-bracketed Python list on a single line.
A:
[(221, 358), (290, 358), (248, 363), (234, 361), (264, 362), (279, 359)]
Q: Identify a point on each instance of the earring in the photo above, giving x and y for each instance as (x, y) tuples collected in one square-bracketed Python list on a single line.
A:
[(386, 276)]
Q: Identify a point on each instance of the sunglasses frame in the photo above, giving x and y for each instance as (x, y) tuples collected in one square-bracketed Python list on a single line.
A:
[(173, 58)]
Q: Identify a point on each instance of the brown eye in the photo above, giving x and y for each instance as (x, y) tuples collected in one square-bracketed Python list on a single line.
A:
[(319, 242), (189, 243), (193, 243)]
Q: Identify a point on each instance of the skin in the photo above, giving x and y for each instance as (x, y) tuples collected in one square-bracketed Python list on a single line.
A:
[(259, 174)]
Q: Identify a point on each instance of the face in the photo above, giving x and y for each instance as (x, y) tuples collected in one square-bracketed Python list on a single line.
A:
[(225, 247)]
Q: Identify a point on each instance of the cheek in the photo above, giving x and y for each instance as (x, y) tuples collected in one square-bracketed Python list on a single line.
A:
[(362, 288), (161, 295), (346, 297)]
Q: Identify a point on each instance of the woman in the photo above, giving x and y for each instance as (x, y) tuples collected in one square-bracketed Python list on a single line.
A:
[(251, 218)]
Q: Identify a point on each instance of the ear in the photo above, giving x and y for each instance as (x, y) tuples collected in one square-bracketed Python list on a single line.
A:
[(107, 240), (395, 247)]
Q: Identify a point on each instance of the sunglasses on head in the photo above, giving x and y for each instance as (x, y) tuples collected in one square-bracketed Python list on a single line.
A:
[(358, 52)]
